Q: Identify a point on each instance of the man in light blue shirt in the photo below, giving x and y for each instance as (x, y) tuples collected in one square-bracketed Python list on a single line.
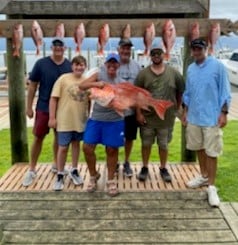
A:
[(206, 101)]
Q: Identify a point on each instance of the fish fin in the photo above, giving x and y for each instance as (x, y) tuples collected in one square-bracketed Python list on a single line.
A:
[(120, 112), (160, 107)]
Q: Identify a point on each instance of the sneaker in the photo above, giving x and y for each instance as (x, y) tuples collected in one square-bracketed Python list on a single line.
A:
[(142, 176), (74, 176), (213, 198), (29, 177), (55, 170), (127, 171), (165, 175), (197, 182), (59, 183)]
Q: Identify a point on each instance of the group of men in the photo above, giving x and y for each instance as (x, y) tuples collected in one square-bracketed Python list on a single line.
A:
[(205, 98)]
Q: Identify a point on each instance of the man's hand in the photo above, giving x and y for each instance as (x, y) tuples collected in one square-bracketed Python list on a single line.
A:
[(52, 123), (184, 118), (222, 120), (30, 113), (140, 119)]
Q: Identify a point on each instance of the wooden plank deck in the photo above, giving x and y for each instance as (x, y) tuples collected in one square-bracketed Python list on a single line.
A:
[(144, 213), (44, 181)]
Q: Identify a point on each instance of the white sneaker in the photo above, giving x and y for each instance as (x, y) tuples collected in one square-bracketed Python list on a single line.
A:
[(75, 177), (29, 177), (59, 183), (213, 198), (197, 182)]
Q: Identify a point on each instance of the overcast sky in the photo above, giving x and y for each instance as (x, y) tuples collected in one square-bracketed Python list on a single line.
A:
[(227, 9), (219, 9)]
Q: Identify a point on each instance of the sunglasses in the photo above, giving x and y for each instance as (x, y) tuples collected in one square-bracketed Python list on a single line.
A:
[(156, 52)]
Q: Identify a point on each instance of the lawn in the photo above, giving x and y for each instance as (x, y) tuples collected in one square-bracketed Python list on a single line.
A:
[(227, 181)]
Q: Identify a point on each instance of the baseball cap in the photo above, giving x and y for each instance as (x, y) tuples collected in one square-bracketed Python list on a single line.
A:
[(156, 46), (58, 41), (125, 42), (113, 56), (198, 43)]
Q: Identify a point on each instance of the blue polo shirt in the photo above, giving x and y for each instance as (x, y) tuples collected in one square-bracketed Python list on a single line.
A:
[(46, 72), (207, 90)]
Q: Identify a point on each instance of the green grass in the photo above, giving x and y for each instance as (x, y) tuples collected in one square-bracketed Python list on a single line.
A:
[(227, 169)]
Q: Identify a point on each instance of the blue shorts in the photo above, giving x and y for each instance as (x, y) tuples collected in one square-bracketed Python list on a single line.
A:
[(106, 133), (65, 138)]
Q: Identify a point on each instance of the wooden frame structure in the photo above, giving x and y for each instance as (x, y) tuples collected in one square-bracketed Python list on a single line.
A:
[(118, 13)]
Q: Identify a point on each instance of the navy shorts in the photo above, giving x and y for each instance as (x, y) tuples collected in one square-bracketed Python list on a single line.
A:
[(65, 138), (106, 133)]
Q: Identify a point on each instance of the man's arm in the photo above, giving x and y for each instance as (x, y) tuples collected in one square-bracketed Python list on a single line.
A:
[(52, 112), (32, 88)]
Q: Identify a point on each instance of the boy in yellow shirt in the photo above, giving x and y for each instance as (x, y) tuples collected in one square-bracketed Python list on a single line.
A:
[(68, 116)]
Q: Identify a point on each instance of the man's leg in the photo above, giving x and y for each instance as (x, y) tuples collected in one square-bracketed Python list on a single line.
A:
[(35, 151), (202, 159), (90, 157), (55, 147), (112, 158), (128, 148), (75, 145), (212, 169)]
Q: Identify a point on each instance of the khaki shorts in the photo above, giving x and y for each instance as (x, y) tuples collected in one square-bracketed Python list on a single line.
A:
[(207, 138), (163, 136)]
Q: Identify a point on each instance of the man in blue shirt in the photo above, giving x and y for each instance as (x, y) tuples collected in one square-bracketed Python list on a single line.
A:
[(206, 101), (44, 74)]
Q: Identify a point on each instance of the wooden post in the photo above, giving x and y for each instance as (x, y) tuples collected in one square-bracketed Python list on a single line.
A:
[(186, 155), (16, 81)]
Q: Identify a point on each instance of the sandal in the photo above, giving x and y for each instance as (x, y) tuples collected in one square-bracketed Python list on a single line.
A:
[(92, 186), (112, 189)]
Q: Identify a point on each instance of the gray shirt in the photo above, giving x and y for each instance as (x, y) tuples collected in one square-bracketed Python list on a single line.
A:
[(128, 72), (99, 112)]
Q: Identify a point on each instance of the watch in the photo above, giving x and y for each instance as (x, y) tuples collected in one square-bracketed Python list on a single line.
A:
[(224, 112)]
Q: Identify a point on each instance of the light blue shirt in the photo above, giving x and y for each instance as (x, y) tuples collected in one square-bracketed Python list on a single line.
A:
[(207, 90)]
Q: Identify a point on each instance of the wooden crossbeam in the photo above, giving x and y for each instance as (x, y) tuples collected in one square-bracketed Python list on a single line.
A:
[(138, 26)]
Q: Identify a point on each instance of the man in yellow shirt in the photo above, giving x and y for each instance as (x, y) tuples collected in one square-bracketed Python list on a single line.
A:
[(68, 116)]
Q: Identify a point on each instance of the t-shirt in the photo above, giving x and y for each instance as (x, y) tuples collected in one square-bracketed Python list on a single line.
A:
[(128, 72), (99, 112), (46, 72), (71, 114), (164, 86)]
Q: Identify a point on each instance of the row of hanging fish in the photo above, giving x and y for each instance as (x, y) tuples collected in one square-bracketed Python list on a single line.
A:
[(168, 36)]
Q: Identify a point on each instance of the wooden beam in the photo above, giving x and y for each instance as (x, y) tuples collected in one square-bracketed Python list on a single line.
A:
[(101, 7), (116, 25)]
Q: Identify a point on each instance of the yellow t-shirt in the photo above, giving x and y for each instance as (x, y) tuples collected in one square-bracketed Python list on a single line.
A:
[(71, 114)]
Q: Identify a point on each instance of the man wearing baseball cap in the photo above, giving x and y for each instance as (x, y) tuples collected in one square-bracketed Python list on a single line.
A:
[(206, 102), (105, 126), (43, 76), (163, 82), (128, 71)]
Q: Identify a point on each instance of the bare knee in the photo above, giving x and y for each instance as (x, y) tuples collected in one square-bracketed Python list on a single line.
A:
[(88, 149), (111, 151)]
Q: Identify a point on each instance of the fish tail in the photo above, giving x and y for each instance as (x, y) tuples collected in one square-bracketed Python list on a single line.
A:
[(211, 50), (16, 53), (160, 107), (100, 52), (78, 49), (167, 56), (37, 51), (146, 52)]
